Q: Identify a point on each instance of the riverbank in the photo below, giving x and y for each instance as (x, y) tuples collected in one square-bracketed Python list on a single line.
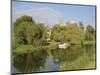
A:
[(51, 46)]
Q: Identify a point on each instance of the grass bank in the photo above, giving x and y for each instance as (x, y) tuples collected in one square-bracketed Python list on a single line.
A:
[(25, 49)]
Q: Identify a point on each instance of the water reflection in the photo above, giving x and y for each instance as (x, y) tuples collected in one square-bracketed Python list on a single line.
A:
[(67, 55), (90, 51), (55, 60), (30, 62)]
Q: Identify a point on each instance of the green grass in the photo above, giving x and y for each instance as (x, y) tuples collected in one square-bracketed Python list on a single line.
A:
[(52, 46), (25, 49), (82, 62)]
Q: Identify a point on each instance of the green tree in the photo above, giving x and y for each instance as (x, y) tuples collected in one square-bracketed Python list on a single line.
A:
[(74, 33), (20, 33), (90, 33), (70, 32), (31, 32), (23, 19), (28, 32), (58, 32), (81, 25), (19, 29)]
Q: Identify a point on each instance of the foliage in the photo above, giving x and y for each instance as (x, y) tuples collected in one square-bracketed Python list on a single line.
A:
[(27, 32), (30, 39), (81, 25), (74, 33), (23, 19), (90, 33), (69, 32), (53, 46), (20, 33)]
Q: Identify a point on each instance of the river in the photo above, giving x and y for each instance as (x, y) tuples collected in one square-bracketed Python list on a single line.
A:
[(52, 60)]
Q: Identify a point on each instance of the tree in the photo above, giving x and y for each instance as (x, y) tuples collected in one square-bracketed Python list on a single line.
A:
[(81, 25), (70, 32), (31, 32), (90, 33), (27, 31), (20, 33), (19, 28), (74, 33), (23, 19)]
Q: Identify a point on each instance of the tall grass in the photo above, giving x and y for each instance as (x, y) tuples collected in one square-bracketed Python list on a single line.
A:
[(81, 62)]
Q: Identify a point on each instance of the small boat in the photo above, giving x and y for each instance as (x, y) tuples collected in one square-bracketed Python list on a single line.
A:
[(63, 45)]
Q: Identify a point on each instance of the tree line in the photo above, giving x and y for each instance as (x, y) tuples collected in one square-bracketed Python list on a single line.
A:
[(27, 31)]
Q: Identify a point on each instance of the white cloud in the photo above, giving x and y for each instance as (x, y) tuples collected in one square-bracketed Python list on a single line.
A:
[(41, 14)]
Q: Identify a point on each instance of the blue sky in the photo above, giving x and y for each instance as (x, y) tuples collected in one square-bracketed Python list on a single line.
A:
[(50, 14)]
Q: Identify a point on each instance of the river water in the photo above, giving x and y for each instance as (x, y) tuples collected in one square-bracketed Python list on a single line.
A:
[(49, 60)]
